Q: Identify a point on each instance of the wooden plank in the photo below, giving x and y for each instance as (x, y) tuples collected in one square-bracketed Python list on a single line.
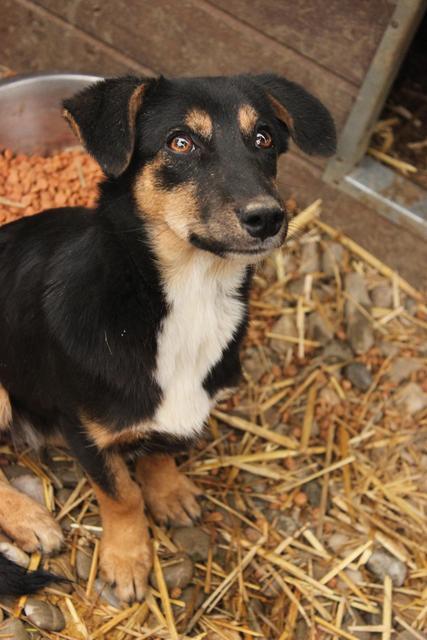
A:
[(194, 38), (33, 40), (341, 35)]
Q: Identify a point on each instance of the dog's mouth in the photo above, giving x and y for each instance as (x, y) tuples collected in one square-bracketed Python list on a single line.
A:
[(224, 248)]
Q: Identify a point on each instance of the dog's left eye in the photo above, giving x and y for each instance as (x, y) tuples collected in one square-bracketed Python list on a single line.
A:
[(263, 139), (181, 143)]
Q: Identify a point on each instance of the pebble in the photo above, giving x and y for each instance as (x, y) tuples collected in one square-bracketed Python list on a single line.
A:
[(360, 332), (44, 615), (93, 520), (329, 396), (13, 629), (355, 619), (333, 256), (253, 364), (194, 541), (337, 351), (62, 495), (15, 554), (313, 490), (289, 262), (388, 349), (14, 471), (402, 368), (382, 296), (337, 543), (411, 398), (258, 485), (355, 576), (252, 534), (61, 566), (285, 326), (382, 563), (319, 329), (193, 598), (310, 259), (272, 418), (178, 574), (285, 523), (31, 485), (268, 269), (106, 593), (411, 306), (359, 329), (83, 563), (296, 286), (68, 474), (355, 287), (359, 375)]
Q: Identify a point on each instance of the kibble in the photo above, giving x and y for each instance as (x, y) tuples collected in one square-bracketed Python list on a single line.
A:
[(29, 184)]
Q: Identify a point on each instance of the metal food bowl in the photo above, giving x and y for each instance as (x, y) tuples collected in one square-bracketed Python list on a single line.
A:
[(30, 111)]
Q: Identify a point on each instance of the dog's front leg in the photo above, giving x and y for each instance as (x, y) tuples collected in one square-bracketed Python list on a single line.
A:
[(125, 552), (168, 493)]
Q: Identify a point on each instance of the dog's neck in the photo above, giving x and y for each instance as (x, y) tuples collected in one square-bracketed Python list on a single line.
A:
[(176, 257)]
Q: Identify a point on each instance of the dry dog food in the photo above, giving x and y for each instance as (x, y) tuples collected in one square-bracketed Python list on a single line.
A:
[(29, 184)]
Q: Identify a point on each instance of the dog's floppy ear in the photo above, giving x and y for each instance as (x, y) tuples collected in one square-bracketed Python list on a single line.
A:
[(309, 122), (103, 117)]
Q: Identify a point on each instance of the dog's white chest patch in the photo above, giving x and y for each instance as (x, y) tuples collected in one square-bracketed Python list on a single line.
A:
[(204, 314)]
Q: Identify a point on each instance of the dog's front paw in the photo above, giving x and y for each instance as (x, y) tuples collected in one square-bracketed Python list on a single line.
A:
[(126, 568), (169, 494), (28, 523), (174, 503)]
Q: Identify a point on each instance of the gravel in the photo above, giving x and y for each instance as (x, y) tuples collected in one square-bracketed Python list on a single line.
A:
[(194, 541), (285, 326), (177, 574), (381, 564), (44, 614), (382, 296), (31, 485), (411, 398), (332, 257), (13, 629), (83, 563), (359, 375), (403, 368)]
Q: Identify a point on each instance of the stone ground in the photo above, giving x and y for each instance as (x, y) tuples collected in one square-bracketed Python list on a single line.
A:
[(313, 475)]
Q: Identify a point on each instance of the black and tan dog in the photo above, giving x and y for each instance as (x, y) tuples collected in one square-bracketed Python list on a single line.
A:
[(119, 325)]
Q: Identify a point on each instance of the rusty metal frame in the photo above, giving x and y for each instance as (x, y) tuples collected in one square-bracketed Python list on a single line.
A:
[(342, 171)]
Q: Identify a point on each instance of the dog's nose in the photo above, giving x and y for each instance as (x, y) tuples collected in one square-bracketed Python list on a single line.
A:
[(262, 222)]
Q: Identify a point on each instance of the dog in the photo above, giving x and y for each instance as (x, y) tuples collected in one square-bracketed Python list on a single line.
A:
[(120, 325)]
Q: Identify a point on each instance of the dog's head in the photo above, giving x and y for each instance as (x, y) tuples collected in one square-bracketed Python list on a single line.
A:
[(202, 152)]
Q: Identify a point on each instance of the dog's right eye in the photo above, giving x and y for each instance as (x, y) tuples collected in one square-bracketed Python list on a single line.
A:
[(181, 143)]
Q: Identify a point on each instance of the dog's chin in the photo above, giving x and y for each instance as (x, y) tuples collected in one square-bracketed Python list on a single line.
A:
[(238, 251)]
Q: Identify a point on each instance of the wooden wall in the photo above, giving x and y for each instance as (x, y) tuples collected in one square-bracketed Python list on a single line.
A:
[(326, 45), (329, 54)]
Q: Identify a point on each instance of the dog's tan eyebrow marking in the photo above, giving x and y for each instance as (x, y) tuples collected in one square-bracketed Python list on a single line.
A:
[(200, 122), (248, 118)]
